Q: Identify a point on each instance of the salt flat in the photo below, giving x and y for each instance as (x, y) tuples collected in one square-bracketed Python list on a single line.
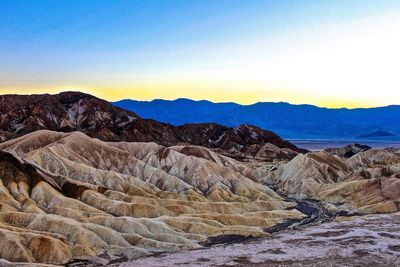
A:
[(320, 144), (371, 240)]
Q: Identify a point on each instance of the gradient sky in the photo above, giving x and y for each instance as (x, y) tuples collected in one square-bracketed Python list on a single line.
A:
[(329, 53)]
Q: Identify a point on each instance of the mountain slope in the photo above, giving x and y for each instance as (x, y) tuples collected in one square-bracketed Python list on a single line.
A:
[(368, 181), (289, 121), (74, 111), (66, 196)]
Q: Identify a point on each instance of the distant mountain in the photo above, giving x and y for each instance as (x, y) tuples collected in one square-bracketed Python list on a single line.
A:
[(376, 134), (75, 111), (289, 121)]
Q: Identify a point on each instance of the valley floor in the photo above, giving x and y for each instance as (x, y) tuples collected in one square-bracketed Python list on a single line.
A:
[(371, 240), (321, 144)]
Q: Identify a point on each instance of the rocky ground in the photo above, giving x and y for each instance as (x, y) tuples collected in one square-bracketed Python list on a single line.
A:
[(371, 240), (66, 198), (85, 183)]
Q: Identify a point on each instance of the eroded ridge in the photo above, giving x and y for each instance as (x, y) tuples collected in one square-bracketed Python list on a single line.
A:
[(66, 197)]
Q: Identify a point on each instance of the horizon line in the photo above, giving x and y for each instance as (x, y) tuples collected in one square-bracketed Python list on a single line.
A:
[(251, 104), (90, 92)]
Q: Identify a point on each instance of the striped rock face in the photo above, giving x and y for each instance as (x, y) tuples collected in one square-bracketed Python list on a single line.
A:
[(66, 197), (367, 182)]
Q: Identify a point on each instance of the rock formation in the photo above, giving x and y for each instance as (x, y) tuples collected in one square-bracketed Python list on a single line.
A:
[(75, 111), (367, 182), (83, 180), (348, 151), (66, 196)]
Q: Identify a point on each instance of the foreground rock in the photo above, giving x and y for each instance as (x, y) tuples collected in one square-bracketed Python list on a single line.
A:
[(66, 197), (365, 241)]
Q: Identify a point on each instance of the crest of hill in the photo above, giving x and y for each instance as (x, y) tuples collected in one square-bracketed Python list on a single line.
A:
[(67, 197), (75, 111)]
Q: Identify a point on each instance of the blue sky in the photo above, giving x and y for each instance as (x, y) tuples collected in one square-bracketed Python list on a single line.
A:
[(217, 50)]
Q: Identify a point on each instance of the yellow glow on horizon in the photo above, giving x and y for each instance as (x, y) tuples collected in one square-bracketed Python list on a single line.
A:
[(214, 91), (351, 65)]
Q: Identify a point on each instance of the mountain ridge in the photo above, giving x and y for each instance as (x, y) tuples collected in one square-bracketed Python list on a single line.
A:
[(255, 103), (288, 120), (75, 111), (102, 189), (67, 198)]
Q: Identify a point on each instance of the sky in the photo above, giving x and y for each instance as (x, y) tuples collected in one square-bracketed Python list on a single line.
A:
[(327, 53)]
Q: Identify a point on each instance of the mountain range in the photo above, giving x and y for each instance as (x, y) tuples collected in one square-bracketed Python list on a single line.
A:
[(86, 183), (75, 111), (287, 120)]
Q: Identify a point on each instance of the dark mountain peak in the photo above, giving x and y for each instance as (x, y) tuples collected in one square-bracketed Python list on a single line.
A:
[(182, 99), (75, 111), (74, 96), (66, 111), (250, 134)]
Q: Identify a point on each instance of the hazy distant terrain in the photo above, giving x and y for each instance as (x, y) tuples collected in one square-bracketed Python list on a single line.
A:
[(316, 145), (287, 120)]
